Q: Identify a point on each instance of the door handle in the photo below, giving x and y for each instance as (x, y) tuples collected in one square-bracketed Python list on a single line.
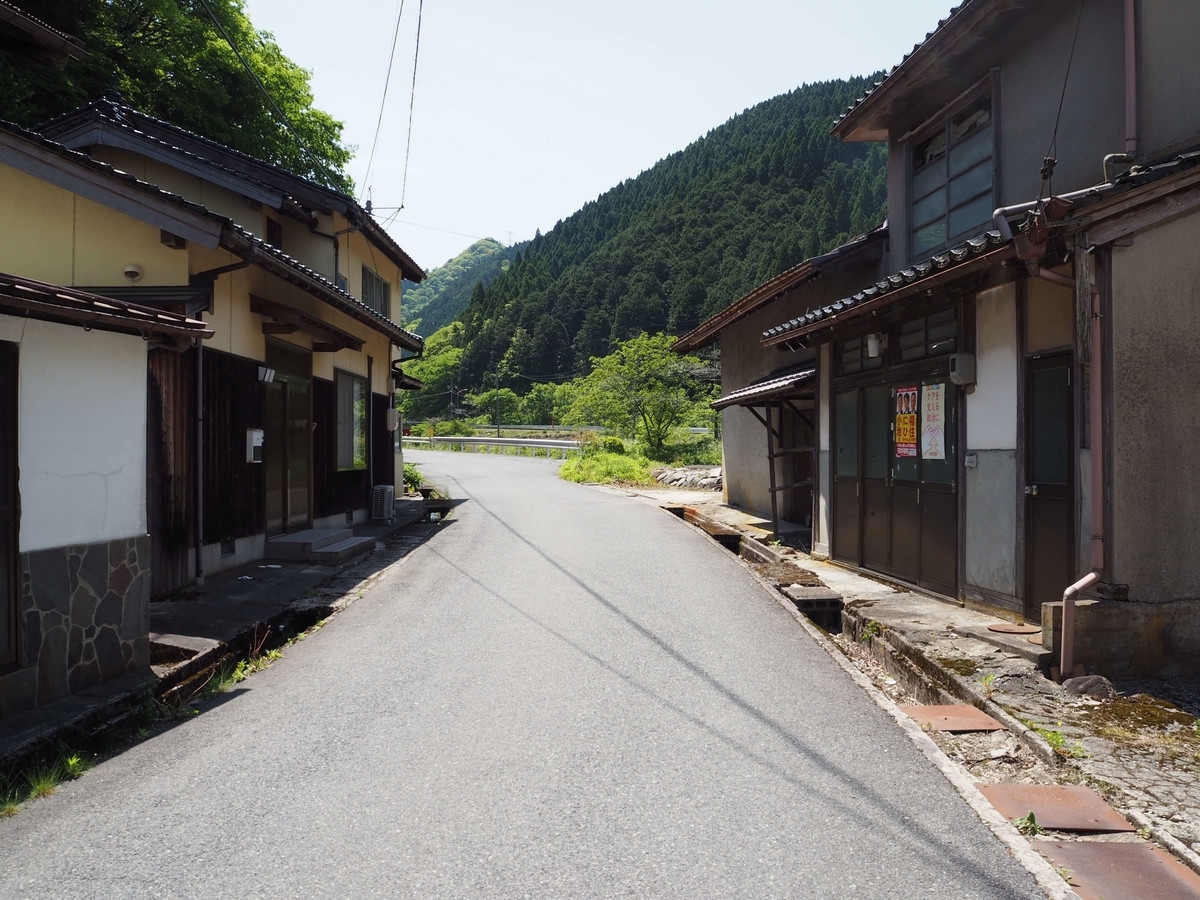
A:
[(1031, 490)]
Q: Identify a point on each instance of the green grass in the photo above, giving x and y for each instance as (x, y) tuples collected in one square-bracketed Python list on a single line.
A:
[(43, 780), (607, 468)]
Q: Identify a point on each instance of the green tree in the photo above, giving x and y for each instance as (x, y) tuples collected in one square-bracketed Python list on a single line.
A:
[(505, 400), (438, 369), (170, 61), (546, 404), (642, 388)]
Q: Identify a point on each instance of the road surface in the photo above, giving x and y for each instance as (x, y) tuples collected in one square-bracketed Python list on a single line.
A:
[(564, 693)]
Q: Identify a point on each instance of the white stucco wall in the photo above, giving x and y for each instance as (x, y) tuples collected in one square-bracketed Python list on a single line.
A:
[(81, 433), (991, 486)]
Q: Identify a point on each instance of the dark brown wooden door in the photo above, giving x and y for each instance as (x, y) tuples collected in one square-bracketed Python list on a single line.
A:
[(9, 520), (1049, 489), (287, 439)]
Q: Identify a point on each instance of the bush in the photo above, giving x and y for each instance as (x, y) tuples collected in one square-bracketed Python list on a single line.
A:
[(412, 477), (454, 428), (612, 445), (607, 468)]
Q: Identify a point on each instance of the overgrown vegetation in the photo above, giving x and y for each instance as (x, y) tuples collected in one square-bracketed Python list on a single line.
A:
[(601, 467), (412, 477), (169, 60)]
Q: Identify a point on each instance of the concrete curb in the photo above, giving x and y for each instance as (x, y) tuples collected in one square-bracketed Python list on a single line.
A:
[(957, 687), (1044, 874), (1177, 848)]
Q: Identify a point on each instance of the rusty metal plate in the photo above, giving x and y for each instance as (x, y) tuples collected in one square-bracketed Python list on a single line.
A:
[(1105, 871), (1014, 628), (1061, 807), (1035, 639), (952, 718)]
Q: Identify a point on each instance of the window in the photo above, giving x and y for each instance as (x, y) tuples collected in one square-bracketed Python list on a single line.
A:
[(376, 293), (931, 335), (274, 233), (351, 421), (952, 176), (854, 357)]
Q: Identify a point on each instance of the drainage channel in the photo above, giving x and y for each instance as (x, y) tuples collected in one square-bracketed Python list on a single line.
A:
[(803, 588)]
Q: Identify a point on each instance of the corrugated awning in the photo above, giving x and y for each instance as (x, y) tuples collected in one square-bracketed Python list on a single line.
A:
[(776, 387)]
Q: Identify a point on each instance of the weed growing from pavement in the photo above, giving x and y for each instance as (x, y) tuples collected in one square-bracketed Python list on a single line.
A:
[(989, 684), (1028, 825), (1057, 740), (43, 780), (873, 630)]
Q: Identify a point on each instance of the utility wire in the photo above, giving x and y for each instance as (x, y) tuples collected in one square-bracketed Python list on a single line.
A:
[(267, 94), (1049, 162), (383, 100), (411, 101)]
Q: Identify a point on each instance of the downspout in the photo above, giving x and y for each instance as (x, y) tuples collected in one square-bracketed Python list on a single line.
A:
[(1131, 100), (337, 245)]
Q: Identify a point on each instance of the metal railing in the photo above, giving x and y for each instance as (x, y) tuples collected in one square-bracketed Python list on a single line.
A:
[(503, 444)]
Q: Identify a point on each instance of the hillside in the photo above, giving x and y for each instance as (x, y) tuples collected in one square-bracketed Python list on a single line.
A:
[(444, 294), (665, 250)]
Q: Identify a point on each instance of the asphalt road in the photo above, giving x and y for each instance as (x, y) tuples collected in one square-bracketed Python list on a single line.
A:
[(564, 693)]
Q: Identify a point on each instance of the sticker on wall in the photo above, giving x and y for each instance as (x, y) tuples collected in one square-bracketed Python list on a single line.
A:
[(933, 422), (906, 421)]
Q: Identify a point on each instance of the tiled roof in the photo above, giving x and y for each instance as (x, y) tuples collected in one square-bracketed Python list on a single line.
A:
[(349, 303), (956, 256), (43, 300), (710, 329), (942, 23), (770, 388), (46, 36), (145, 126), (234, 238)]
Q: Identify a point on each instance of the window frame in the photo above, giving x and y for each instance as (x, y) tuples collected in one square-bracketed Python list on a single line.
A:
[(371, 298), (349, 419), (273, 233), (988, 90)]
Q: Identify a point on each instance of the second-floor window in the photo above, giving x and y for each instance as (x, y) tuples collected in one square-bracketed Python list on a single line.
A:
[(376, 293), (951, 185), (274, 233)]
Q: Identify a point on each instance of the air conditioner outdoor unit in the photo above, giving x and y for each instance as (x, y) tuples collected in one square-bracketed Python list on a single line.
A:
[(383, 503)]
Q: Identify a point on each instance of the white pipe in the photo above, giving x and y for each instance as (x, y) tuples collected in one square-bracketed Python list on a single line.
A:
[(1131, 106), (1066, 658)]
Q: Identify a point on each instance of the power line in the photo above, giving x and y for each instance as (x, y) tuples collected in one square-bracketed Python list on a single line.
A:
[(383, 100), (267, 94), (411, 101)]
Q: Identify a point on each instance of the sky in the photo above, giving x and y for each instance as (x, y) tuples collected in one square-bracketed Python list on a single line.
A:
[(527, 109)]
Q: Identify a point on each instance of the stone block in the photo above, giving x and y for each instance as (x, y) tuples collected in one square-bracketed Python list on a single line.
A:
[(110, 610), (119, 580), (108, 653), (84, 676), (93, 568), (49, 580), (52, 666)]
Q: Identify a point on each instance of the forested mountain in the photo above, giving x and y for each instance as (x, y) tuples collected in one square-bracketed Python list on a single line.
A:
[(665, 250), (169, 59), (444, 294)]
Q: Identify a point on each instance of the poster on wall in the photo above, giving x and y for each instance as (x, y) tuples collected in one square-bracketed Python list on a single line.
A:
[(933, 422), (906, 421)]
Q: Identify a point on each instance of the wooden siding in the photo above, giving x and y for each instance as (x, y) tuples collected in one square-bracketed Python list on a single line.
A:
[(170, 478), (233, 488)]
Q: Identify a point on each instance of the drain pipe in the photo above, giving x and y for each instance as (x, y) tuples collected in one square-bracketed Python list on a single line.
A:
[(1066, 659), (1131, 104)]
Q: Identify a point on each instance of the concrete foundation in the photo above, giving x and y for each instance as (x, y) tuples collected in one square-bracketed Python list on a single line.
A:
[(1130, 639)]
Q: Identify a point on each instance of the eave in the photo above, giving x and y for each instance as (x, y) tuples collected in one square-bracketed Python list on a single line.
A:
[(33, 38)]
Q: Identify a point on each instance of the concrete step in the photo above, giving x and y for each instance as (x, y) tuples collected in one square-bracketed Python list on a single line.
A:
[(302, 545), (339, 552)]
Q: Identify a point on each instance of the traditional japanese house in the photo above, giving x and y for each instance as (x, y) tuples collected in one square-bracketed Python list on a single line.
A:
[(986, 404)]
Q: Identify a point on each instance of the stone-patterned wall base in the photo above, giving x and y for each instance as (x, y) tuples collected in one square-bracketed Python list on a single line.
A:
[(85, 618)]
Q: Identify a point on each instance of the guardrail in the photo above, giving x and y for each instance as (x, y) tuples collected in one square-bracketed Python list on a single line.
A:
[(570, 429), (503, 443)]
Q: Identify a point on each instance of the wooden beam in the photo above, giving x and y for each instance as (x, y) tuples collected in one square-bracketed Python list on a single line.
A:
[(279, 328)]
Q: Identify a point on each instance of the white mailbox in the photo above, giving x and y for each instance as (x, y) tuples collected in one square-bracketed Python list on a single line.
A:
[(254, 445)]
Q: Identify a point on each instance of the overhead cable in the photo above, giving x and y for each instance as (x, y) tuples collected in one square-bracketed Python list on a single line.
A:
[(411, 101), (383, 100)]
